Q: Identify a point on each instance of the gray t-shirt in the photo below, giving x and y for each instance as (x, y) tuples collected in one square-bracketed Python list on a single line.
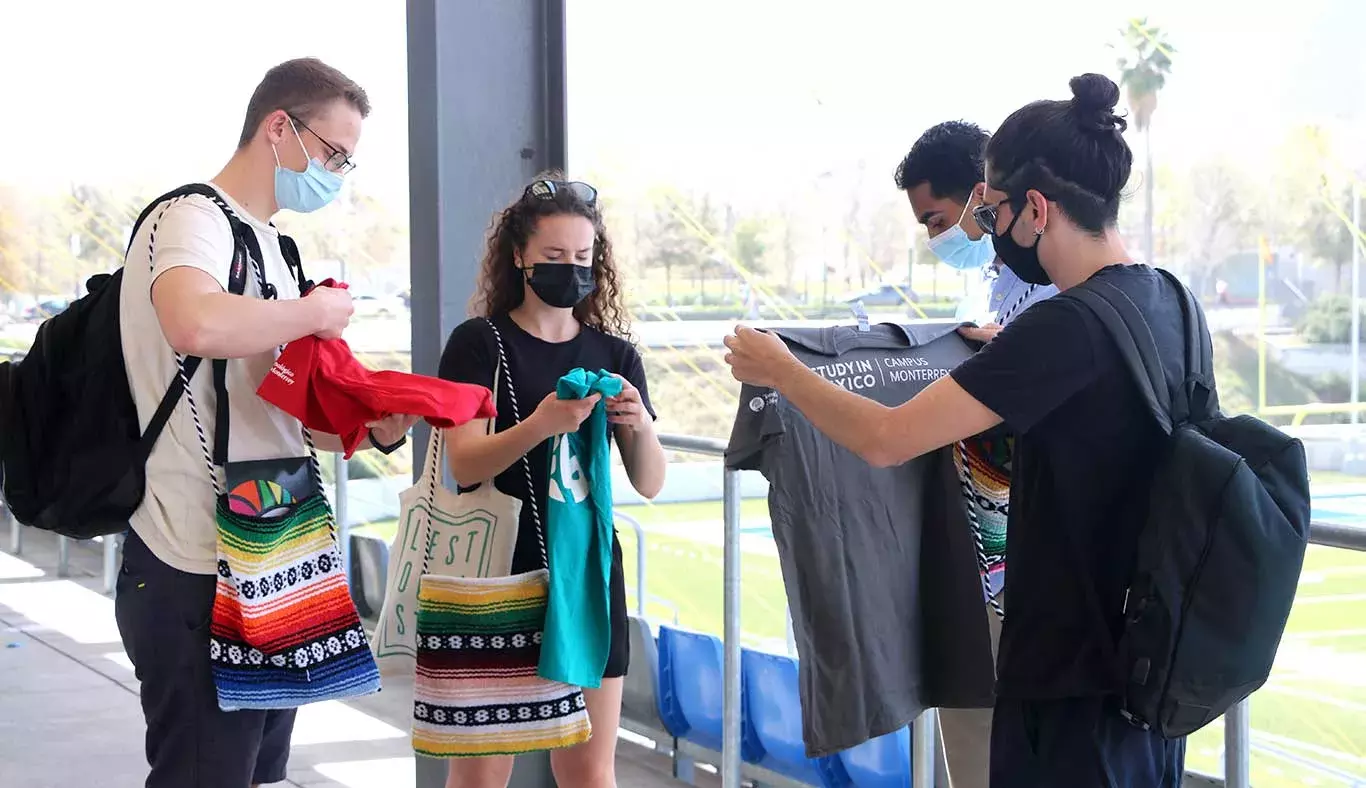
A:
[(878, 563)]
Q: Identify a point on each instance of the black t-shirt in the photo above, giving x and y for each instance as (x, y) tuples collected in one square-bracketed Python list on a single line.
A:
[(1086, 453), (535, 365)]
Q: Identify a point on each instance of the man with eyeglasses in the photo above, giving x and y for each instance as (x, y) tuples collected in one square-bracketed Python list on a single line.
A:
[(301, 129), (943, 179)]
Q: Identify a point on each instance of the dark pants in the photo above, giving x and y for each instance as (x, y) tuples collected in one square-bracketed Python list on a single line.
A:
[(1078, 743), (163, 616)]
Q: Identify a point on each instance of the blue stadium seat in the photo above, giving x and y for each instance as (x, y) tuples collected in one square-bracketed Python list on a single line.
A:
[(884, 762), (640, 691), (772, 728), (690, 686)]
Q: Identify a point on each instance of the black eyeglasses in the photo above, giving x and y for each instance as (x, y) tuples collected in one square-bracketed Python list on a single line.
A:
[(546, 190), (985, 216), (337, 160)]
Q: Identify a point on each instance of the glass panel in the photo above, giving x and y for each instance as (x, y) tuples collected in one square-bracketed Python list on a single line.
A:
[(120, 128), (1309, 721), (748, 176)]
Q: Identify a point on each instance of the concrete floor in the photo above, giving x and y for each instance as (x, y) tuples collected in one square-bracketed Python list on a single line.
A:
[(69, 713)]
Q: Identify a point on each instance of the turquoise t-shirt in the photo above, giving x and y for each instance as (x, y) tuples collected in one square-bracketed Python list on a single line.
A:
[(578, 525)]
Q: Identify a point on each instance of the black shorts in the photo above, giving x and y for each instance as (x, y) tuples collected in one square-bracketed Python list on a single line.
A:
[(1082, 742), (163, 616), (619, 654)]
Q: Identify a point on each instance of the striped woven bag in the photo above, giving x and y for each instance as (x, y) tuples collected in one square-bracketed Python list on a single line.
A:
[(477, 691), (982, 464), (284, 631)]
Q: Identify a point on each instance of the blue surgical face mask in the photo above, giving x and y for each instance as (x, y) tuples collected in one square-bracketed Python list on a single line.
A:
[(955, 249), (305, 191)]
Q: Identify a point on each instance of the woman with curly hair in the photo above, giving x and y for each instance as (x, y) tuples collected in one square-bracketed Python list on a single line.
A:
[(549, 286)]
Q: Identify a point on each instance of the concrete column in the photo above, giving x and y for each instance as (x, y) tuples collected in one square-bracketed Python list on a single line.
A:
[(486, 112)]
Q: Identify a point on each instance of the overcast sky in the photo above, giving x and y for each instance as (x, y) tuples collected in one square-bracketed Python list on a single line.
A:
[(748, 97)]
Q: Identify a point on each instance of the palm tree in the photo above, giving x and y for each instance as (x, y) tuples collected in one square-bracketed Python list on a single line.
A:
[(1144, 65)]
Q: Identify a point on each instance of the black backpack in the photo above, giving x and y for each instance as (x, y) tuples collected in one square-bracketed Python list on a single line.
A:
[(1219, 557), (71, 445)]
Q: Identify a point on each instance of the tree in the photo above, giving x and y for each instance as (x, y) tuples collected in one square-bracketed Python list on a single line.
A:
[(1144, 65), (358, 231), (14, 244), (1327, 237), (749, 245), (853, 228), (672, 243), (1216, 218), (887, 236), (701, 222), (86, 232), (1308, 199), (102, 222), (788, 217)]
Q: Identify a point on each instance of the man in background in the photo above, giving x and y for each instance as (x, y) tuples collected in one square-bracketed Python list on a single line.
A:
[(943, 179)]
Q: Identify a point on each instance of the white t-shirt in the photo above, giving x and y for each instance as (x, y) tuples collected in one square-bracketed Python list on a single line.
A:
[(176, 519)]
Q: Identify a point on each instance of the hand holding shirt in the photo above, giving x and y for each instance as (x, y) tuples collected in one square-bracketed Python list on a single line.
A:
[(320, 383), (579, 539)]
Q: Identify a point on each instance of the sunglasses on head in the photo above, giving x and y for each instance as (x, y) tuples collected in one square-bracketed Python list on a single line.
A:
[(546, 190)]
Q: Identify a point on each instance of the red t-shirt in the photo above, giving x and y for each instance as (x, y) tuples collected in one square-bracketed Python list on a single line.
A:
[(320, 383)]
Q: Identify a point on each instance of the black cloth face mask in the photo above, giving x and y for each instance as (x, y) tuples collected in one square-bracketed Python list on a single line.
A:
[(561, 285), (1023, 261)]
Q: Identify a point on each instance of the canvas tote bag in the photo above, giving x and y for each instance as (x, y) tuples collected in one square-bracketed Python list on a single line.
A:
[(469, 534)]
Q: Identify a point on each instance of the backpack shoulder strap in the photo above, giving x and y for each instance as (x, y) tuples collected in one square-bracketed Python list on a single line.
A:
[(1199, 388), (249, 248), (290, 251), (201, 189), (243, 239), (1125, 322), (1131, 333), (237, 275)]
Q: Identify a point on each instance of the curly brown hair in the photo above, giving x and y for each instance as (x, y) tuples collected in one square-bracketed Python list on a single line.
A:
[(501, 282)]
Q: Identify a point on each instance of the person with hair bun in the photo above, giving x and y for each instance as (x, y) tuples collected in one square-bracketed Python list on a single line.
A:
[(1068, 153), (1086, 452)]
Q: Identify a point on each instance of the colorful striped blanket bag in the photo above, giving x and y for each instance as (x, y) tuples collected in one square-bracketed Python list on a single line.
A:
[(983, 465), (477, 690), (285, 631)]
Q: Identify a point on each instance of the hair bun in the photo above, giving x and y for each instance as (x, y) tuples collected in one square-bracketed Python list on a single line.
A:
[(1094, 92), (1095, 96)]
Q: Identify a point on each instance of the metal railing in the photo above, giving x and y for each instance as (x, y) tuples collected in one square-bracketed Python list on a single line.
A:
[(621, 517), (730, 637), (1238, 720)]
